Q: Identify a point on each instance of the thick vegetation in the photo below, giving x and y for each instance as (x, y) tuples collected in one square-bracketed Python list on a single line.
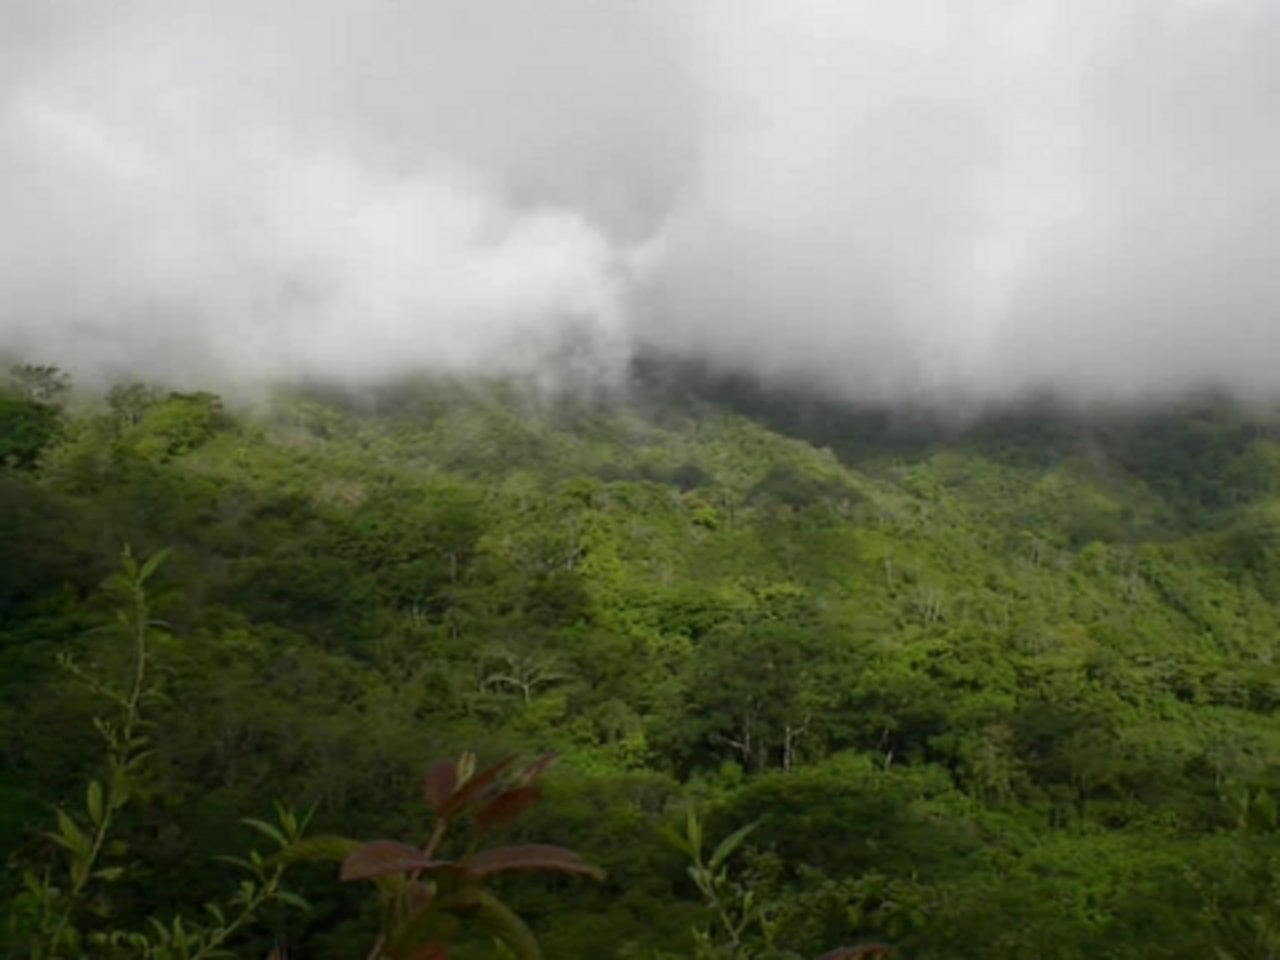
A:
[(1005, 692)]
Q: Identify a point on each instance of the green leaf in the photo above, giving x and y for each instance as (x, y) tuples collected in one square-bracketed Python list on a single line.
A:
[(693, 834), (500, 920), (33, 883), (152, 565), (118, 788), (676, 840), (325, 848), (725, 848), (266, 829), (94, 803), (292, 900), (291, 825), (70, 836)]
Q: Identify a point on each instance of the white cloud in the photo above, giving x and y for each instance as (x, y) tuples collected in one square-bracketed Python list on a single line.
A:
[(891, 200)]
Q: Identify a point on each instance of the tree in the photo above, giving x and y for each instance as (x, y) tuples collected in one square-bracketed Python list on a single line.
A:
[(181, 423), (129, 402), (40, 384), (763, 692), (27, 429)]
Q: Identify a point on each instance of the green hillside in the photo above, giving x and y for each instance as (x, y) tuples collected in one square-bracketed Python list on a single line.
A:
[(1005, 689)]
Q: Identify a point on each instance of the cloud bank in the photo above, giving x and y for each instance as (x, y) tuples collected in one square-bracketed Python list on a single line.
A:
[(922, 199)]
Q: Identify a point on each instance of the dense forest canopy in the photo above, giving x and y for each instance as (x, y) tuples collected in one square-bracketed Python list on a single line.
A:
[(999, 688)]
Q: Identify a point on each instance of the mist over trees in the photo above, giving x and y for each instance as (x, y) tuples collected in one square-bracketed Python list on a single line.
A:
[(893, 203), (801, 477)]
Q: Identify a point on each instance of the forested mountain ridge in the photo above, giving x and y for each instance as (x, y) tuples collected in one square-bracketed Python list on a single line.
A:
[(994, 690)]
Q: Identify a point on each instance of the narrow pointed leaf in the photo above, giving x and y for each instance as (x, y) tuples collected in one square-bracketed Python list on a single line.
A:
[(70, 835), (501, 921), (382, 857), (118, 792), (293, 900), (324, 848), (152, 564), (729, 844), (693, 830), (533, 771), (267, 830), (508, 806), (94, 801), (530, 857), (674, 839)]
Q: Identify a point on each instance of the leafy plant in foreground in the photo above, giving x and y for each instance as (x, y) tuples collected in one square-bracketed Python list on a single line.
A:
[(63, 911), (742, 927), (428, 901)]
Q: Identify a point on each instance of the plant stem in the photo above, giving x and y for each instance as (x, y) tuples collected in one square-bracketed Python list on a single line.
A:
[(247, 911), (119, 742)]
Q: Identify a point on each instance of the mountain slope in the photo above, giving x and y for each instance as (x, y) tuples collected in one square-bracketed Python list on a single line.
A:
[(1017, 663)]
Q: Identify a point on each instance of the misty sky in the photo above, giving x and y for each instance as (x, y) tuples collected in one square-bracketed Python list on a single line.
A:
[(921, 198)]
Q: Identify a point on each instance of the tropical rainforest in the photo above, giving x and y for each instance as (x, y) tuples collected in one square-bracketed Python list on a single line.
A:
[(1003, 687)]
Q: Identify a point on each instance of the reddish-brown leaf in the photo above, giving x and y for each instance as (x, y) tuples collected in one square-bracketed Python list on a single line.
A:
[(534, 856), (430, 951), (480, 780), (508, 806), (858, 952), (382, 857), (438, 785)]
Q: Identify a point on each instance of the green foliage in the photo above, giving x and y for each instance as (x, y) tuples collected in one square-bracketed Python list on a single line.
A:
[(129, 403), (983, 687), (65, 911), (26, 429), (30, 416), (179, 424), (745, 922)]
